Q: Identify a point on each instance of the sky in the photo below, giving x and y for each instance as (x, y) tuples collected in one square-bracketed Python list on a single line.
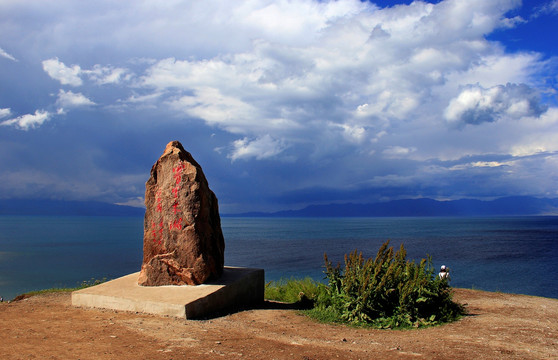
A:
[(283, 103)]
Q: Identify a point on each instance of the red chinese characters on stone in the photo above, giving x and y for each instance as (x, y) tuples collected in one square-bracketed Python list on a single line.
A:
[(177, 173), (183, 241), (157, 232), (177, 224), (159, 207)]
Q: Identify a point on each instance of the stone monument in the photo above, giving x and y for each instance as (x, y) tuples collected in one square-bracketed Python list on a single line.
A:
[(182, 243)]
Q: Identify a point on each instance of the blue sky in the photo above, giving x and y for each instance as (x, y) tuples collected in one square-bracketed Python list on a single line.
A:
[(283, 103)]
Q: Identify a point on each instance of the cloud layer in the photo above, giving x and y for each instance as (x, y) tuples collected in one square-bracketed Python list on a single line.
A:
[(412, 100)]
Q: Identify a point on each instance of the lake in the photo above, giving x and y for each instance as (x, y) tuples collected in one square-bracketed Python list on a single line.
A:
[(508, 254)]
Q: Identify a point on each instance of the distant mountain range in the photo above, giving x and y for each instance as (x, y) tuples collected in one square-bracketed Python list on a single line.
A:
[(516, 205), (66, 208)]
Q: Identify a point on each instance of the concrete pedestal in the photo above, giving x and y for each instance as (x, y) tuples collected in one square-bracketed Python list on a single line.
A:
[(236, 288)]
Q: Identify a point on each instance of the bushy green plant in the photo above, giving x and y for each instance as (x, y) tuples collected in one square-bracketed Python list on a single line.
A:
[(388, 291)]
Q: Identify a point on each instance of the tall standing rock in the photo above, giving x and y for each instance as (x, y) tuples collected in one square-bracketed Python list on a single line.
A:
[(182, 240)]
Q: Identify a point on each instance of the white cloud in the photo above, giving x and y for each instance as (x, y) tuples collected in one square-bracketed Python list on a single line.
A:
[(28, 121), (536, 136), (343, 65), (550, 7), (215, 108), (4, 54), (260, 148), (488, 164), (103, 75), (476, 105), (356, 68), (135, 202), (398, 151), (513, 22), (5, 112), (69, 99), (59, 71), (149, 98), (352, 133), (497, 69)]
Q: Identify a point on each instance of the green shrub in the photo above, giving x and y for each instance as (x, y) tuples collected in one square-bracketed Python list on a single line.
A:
[(387, 292)]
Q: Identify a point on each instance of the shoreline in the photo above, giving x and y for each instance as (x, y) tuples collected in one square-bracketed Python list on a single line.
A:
[(32, 293)]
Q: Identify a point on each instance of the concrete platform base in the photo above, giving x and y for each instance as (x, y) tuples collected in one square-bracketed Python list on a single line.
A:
[(237, 288)]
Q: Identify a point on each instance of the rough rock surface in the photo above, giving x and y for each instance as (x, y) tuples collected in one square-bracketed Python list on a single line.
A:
[(182, 243)]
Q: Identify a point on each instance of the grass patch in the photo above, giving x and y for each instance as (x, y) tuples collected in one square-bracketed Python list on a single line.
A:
[(292, 290), (84, 284)]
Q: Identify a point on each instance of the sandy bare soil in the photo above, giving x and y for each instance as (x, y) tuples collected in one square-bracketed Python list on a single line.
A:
[(499, 326)]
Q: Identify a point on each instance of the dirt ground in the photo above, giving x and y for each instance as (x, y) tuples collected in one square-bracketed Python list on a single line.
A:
[(498, 326)]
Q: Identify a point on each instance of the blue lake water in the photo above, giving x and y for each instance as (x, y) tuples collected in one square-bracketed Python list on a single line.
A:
[(509, 254)]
